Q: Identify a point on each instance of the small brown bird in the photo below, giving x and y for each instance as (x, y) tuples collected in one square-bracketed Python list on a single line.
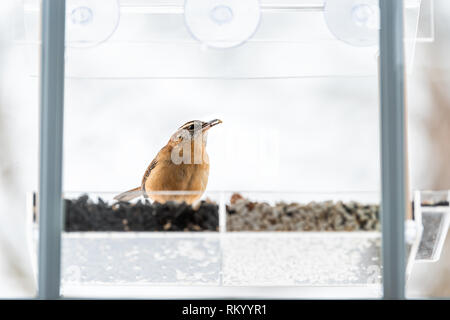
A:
[(181, 166)]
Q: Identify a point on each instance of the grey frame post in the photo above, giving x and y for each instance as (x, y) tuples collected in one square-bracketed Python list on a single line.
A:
[(51, 139), (393, 146)]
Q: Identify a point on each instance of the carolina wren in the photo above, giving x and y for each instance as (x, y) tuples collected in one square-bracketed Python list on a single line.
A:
[(181, 166)]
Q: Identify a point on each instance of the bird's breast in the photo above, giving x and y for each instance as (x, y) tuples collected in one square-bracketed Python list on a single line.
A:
[(186, 177)]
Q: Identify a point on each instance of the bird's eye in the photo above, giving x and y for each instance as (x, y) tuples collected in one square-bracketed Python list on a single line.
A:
[(191, 127)]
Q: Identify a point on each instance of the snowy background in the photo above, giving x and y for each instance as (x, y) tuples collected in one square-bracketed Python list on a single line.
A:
[(302, 133)]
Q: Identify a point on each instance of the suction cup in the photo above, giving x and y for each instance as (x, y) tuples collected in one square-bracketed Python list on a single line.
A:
[(356, 22), (90, 22), (222, 23)]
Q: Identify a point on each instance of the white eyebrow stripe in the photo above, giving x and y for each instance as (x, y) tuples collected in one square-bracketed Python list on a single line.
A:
[(187, 124)]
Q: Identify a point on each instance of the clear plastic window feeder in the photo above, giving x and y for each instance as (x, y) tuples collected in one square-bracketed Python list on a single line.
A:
[(293, 206), (266, 39)]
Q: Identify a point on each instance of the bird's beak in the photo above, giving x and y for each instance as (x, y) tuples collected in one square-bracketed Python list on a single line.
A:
[(208, 125)]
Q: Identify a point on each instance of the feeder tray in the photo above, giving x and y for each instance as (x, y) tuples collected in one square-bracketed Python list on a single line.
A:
[(316, 263)]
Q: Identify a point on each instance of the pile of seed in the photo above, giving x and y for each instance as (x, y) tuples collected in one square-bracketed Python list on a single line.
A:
[(83, 214), (245, 215), (442, 203)]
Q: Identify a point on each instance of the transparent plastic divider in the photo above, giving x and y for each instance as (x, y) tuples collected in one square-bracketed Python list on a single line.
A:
[(426, 28), (434, 207)]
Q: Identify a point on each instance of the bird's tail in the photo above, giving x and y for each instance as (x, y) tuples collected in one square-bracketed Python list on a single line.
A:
[(129, 195)]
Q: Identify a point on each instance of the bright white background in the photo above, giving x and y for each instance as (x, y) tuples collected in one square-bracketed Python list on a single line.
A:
[(317, 134)]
